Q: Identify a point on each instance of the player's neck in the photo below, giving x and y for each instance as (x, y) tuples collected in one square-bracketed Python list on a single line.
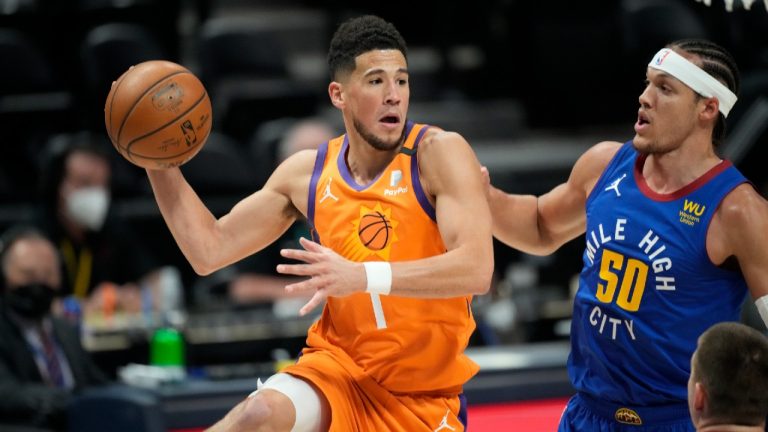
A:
[(671, 171), (365, 163), (729, 428)]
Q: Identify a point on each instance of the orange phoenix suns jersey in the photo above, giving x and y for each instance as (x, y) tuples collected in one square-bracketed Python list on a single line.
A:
[(407, 345)]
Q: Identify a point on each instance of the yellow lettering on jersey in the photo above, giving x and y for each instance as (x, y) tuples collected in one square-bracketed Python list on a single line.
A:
[(633, 277), (611, 260), (691, 212), (694, 208)]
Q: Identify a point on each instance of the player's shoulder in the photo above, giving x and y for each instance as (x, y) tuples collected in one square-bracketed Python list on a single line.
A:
[(596, 158), (436, 138), (300, 160), (294, 170), (741, 221), (742, 206), (603, 151)]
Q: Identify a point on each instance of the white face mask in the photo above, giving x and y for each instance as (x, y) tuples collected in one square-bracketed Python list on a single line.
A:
[(88, 206)]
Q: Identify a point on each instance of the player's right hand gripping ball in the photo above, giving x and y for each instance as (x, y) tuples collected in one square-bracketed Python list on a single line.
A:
[(158, 114)]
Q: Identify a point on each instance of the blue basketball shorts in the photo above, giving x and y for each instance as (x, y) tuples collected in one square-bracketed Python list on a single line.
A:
[(585, 413)]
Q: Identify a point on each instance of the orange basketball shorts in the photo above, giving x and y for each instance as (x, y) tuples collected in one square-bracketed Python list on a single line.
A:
[(359, 403)]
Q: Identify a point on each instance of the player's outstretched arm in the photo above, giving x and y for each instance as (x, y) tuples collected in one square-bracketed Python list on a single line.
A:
[(209, 243), (540, 225)]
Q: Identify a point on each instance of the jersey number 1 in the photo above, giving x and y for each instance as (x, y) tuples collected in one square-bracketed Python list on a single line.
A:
[(378, 312)]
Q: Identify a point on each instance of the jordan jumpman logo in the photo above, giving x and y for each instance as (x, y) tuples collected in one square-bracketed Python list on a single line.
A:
[(444, 423), (615, 184), (327, 193)]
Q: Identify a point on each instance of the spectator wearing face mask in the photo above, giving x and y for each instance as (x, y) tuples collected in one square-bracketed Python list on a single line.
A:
[(101, 257), (42, 361)]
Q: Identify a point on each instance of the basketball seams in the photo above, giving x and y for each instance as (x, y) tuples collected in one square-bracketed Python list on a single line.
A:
[(174, 120), (176, 155), (140, 98), (111, 106), (157, 158), (131, 101)]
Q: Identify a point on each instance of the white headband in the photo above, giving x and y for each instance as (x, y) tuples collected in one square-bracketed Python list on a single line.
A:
[(694, 77)]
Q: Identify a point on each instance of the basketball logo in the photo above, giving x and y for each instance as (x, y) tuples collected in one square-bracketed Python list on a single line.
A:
[(374, 230), (628, 416), (189, 133), (168, 97)]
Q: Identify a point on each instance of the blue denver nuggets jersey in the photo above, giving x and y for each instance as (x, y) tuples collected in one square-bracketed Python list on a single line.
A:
[(648, 288)]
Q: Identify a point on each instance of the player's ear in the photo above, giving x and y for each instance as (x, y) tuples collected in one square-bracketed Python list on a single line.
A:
[(336, 94), (699, 397), (711, 109)]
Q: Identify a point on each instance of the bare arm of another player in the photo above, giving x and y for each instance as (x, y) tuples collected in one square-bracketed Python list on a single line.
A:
[(540, 225), (451, 173), (743, 219), (209, 243)]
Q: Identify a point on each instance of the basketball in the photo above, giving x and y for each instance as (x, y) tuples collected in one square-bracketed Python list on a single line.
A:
[(374, 231), (158, 114)]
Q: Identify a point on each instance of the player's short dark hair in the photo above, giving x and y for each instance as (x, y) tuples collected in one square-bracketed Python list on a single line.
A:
[(357, 36), (718, 62), (731, 362)]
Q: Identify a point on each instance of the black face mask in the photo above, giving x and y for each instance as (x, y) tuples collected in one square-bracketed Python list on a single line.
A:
[(31, 301)]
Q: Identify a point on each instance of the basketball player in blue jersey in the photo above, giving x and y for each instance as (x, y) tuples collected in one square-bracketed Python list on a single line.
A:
[(675, 236)]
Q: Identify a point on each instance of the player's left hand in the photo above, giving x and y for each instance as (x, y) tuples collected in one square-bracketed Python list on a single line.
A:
[(329, 273)]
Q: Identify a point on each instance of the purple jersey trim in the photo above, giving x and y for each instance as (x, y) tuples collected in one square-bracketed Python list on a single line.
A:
[(421, 197), (463, 410), (316, 171), (344, 170)]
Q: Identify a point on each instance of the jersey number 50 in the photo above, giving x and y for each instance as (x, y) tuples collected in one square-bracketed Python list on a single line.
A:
[(631, 278)]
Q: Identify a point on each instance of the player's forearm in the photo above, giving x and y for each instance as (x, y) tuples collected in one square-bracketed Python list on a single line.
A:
[(516, 222), (189, 221), (463, 271)]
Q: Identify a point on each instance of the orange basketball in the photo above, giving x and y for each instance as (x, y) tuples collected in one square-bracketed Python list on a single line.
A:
[(374, 231), (158, 114)]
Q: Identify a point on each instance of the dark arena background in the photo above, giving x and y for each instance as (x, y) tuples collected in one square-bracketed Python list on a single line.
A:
[(530, 84)]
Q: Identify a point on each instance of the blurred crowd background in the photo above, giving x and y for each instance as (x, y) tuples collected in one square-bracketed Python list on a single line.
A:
[(530, 84)]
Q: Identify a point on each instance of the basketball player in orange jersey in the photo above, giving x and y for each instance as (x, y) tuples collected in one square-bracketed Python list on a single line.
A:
[(675, 238), (402, 240)]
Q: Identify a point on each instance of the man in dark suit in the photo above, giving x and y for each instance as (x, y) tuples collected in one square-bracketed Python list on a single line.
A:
[(42, 362)]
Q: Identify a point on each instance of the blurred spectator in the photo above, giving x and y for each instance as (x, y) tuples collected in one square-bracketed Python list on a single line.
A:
[(104, 261), (728, 387), (258, 281), (41, 358)]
